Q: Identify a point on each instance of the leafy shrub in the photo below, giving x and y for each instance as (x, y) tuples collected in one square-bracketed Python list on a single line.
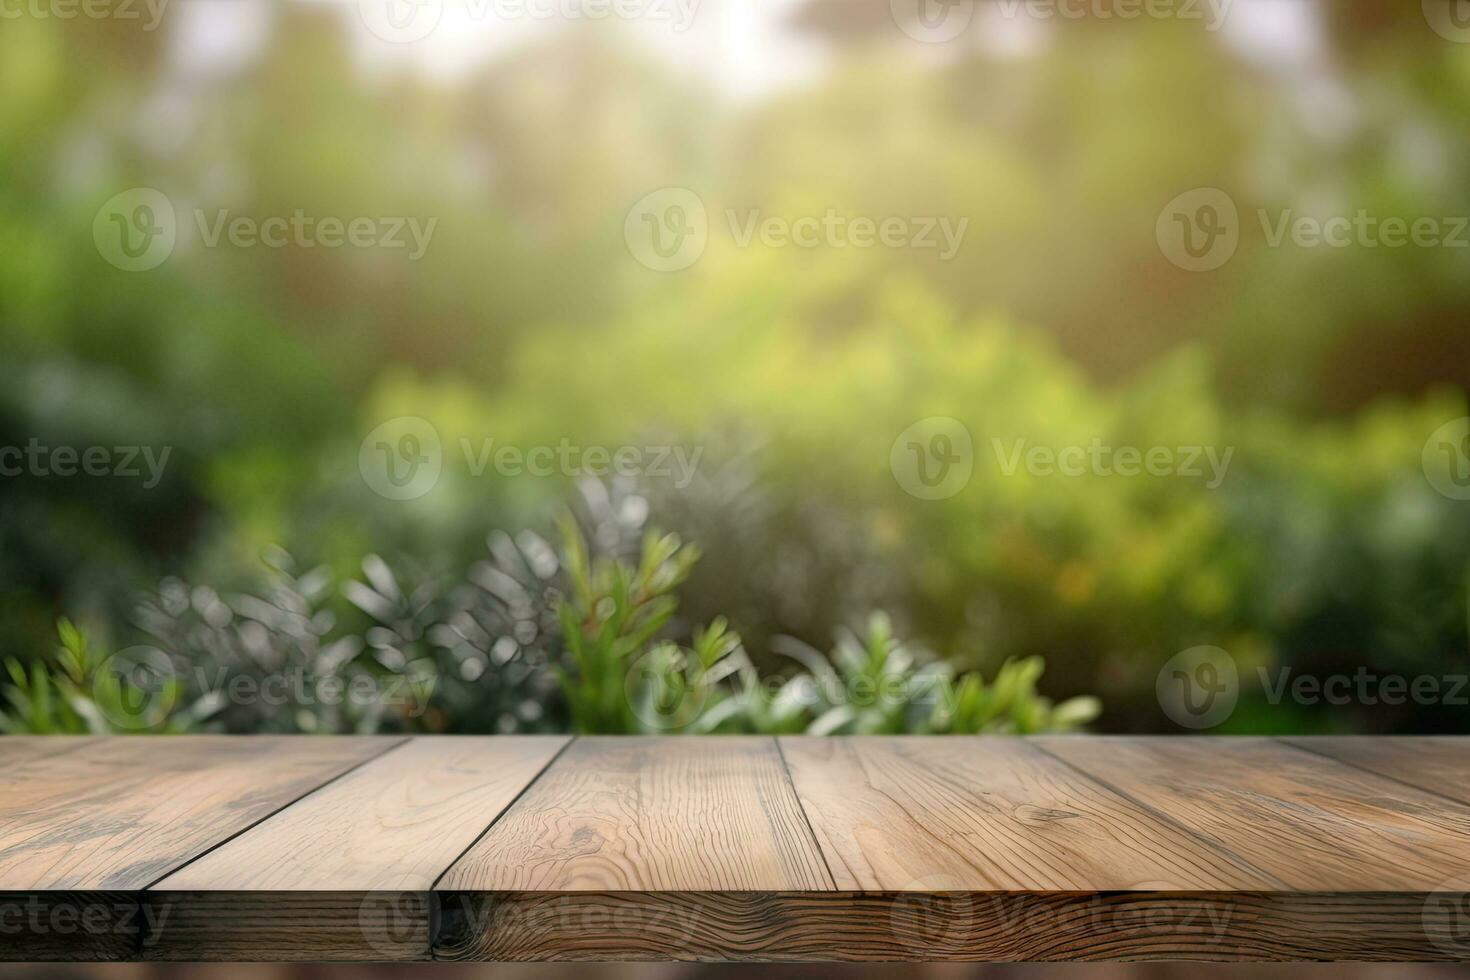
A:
[(613, 612), (589, 624), (885, 686), (76, 693)]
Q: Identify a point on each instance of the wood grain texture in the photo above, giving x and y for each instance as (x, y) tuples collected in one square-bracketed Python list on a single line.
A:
[(1438, 764), (120, 814), (394, 824), (675, 813), (973, 849), (290, 926), (1312, 823), (965, 926), (19, 754), (79, 926), (955, 813)]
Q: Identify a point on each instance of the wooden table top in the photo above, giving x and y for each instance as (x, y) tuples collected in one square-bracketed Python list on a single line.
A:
[(734, 848)]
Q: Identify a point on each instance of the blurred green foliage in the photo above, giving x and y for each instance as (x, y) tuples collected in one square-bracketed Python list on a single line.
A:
[(1059, 322), (279, 663), (78, 692)]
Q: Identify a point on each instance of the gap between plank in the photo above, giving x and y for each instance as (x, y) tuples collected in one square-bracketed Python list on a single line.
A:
[(1288, 743), (283, 807), (1164, 817), (493, 821), (806, 817)]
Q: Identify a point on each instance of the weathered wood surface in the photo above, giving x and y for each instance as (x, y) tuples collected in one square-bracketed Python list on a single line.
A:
[(394, 824), (1433, 763), (356, 860), (122, 813), (734, 848), (1316, 824), (929, 926), (652, 814), (946, 814)]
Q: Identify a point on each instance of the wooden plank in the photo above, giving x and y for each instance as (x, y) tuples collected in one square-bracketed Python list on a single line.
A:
[(1313, 823), (123, 813), (952, 813), (345, 873), (380, 926), (17, 751), (1439, 764), (72, 926), (398, 821), (924, 927), (714, 813)]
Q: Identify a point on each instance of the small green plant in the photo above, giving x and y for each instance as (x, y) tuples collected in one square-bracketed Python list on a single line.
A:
[(684, 689), (79, 692), (614, 611), (1010, 704), (877, 684)]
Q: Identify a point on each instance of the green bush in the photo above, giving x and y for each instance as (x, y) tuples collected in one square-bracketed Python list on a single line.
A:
[(81, 692), (471, 663)]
